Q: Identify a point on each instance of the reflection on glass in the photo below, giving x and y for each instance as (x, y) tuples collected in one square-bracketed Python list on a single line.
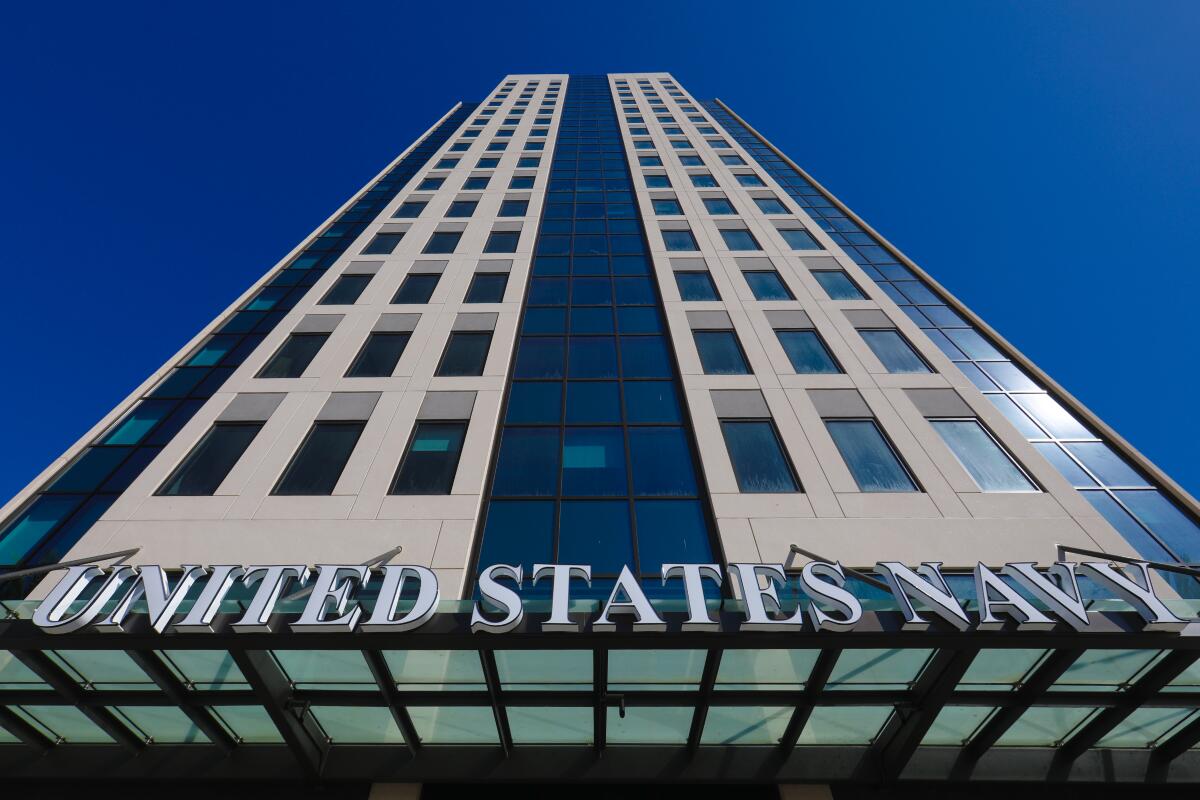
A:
[(745, 724), (249, 724), (955, 725), (205, 669), (1146, 726), (346, 725), (325, 669), (649, 725), (454, 724), (435, 670), (163, 724), (1044, 726), (102, 669), (655, 669), (999, 670), (877, 669), (849, 725), (544, 670), (1100, 670), (15, 675), (553, 725), (65, 723), (765, 669)]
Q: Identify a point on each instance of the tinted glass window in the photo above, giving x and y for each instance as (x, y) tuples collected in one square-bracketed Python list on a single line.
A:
[(442, 242), (502, 242), (757, 456), (894, 352), (718, 205), (211, 459), (770, 205), (799, 239), (806, 351), (411, 209), (838, 285), (461, 208), (679, 240), (417, 289), (991, 467), (514, 208), (720, 353), (739, 239), (383, 243), (346, 291), (294, 356), (319, 462), (767, 286), (465, 353), (379, 355), (870, 458), (487, 287), (696, 286), (667, 208), (429, 465)]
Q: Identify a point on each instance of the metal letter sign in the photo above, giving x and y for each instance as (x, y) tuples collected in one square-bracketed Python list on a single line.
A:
[(104, 597)]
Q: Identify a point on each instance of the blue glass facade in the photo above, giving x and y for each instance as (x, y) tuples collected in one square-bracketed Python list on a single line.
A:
[(595, 459)]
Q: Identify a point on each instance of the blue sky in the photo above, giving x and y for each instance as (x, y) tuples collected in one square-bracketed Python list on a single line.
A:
[(1039, 159)]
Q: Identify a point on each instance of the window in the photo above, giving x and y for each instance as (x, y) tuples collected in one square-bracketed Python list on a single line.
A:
[(294, 356), (993, 469), (442, 242), (514, 208), (417, 288), (770, 205), (739, 239), (465, 354), (457, 147), (346, 290), (488, 162), (691, 161), (869, 456), (750, 180), (525, 162), (649, 161), (799, 239), (496, 146), (679, 240), (502, 242), (487, 287), (477, 182), (703, 180), (681, 144), (382, 244), (446, 163), (767, 285), (462, 208), (378, 356), (757, 456), (658, 182), (667, 208), (521, 182), (732, 160), (718, 205), (211, 459), (894, 351), (696, 286), (838, 285), (430, 184), (431, 460), (319, 462), (720, 353), (808, 354), (411, 209)]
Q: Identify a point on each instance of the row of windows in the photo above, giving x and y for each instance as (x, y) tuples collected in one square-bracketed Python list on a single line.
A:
[(738, 239), (458, 209), (443, 242), (417, 288), (464, 355), (767, 285)]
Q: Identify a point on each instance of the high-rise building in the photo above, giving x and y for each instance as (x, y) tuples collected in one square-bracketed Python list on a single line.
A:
[(594, 322)]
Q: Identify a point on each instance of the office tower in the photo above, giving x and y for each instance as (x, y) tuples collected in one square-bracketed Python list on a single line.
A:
[(594, 321)]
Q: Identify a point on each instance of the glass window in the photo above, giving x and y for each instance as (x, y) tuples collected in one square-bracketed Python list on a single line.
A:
[(454, 724), (161, 724), (595, 532), (417, 288), (651, 401), (544, 670), (442, 242), (518, 532), (798, 239), (720, 353), (514, 208), (410, 209), (294, 356), (476, 182), (346, 290), (593, 462), (378, 356), (719, 205), (703, 180), (894, 351), (838, 285), (593, 401), (649, 725), (521, 182), (843, 725), (761, 725), (462, 208), (808, 354), (655, 670), (679, 240), (765, 670), (694, 286), (739, 239), (431, 460), (62, 722), (657, 182), (662, 463), (502, 242), (732, 160), (649, 161), (357, 725), (435, 670), (750, 180), (870, 458), (527, 463), (1044, 726), (487, 287), (767, 285), (249, 724), (757, 455), (382, 244), (691, 161), (534, 402), (870, 669), (487, 162), (993, 469), (206, 670), (770, 205), (319, 462), (667, 208), (671, 531), (211, 460), (465, 354), (550, 724)]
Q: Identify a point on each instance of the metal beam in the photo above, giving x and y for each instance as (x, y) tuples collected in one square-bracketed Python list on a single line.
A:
[(491, 677), (600, 698), (62, 683), (25, 732), (177, 693), (1183, 740), (387, 687), (813, 687), (1166, 670), (895, 744), (708, 678), (306, 742)]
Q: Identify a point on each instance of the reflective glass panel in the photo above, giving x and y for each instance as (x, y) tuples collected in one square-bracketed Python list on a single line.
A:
[(869, 457), (435, 670), (358, 725), (955, 725), (778, 670), (249, 724), (630, 670), (551, 725), (544, 670), (63, 722), (846, 725), (205, 669), (326, 669), (745, 724), (1044, 726), (162, 724), (1145, 727), (878, 669), (103, 669), (454, 724), (988, 464), (1105, 670), (999, 670), (649, 725)]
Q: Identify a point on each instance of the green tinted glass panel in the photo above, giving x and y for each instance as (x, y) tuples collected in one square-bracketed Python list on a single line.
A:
[(655, 669), (454, 724), (1146, 727), (850, 725), (745, 724), (1102, 670), (15, 675), (554, 725), (1044, 726), (1188, 680), (205, 669), (877, 669), (7, 738), (649, 725), (250, 724), (162, 724), (544, 669), (358, 725), (999, 670), (435, 670), (765, 669), (103, 669), (326, 669), (63, 722), (955, 725)]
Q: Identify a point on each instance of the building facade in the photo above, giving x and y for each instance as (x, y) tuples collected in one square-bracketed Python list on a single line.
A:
[(594, 321)]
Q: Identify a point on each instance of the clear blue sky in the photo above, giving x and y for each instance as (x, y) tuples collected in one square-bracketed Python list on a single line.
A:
[(1040, 159)]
